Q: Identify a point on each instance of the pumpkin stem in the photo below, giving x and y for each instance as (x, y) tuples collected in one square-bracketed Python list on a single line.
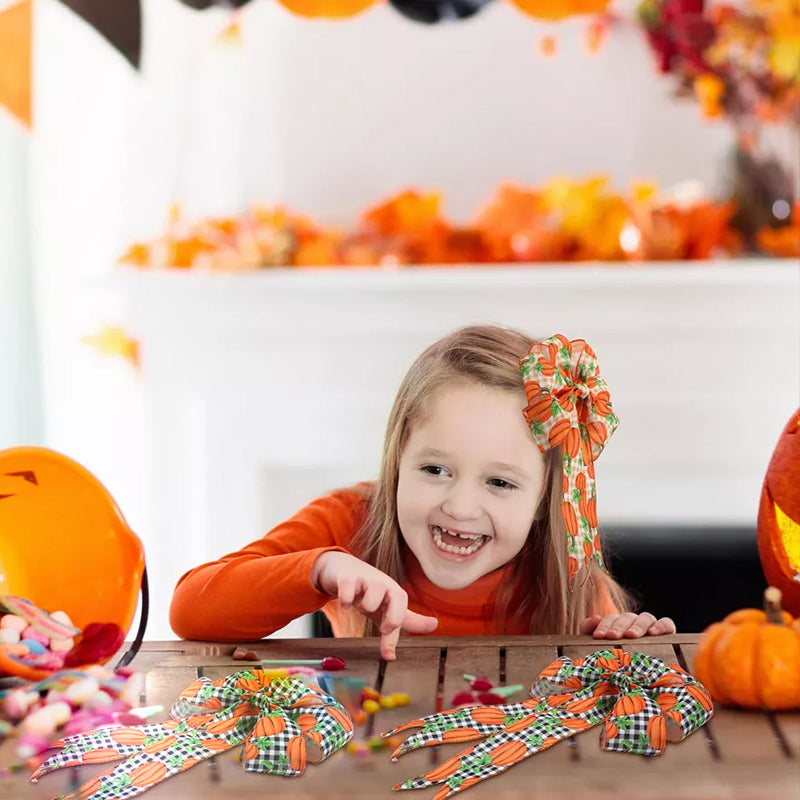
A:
[(772, 605)]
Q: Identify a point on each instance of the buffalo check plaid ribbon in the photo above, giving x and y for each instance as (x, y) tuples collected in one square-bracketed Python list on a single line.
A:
[(282, 722), (641, 702), (569, 405)]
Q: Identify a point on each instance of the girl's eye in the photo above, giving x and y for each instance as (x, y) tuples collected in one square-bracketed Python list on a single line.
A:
[(500, 483), (433, 469)]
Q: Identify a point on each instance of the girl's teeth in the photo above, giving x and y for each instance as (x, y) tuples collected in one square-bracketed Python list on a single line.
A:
[(476, 542)]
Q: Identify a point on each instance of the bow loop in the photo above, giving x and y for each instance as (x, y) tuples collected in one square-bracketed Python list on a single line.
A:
[(569, 406)]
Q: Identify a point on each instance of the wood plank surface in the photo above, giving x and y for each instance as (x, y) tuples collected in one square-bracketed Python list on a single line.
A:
[(755, 756), (523, 663), (757, 736)]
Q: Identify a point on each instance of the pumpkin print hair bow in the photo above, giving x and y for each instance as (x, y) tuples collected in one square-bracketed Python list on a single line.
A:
[(569, 405), (642, 702), (282, 722)]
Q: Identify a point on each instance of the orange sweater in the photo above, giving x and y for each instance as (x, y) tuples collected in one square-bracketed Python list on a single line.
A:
[(255, 591)]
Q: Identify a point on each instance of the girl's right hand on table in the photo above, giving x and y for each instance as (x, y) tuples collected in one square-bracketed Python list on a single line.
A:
[(373, 593)]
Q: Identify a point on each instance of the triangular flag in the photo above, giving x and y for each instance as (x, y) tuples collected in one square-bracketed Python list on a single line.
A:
[(119, 21), (15, 59)]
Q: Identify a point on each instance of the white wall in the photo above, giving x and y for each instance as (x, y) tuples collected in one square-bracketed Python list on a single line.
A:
[(324, 117), (20, 411)]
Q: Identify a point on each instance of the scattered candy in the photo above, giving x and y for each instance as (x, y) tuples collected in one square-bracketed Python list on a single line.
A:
[(463, 698), (364, 749), (328, 664), (483, 692), (53, 701), (241, 654), (13, 622), (478, 684), (372, 701), (371, 706), (9, 636)]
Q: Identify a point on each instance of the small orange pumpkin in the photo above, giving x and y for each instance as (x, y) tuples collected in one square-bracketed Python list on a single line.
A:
[(752, 657), (779, 517)]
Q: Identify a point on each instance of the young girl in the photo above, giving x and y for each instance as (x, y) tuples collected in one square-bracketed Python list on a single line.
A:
[(482, 520)]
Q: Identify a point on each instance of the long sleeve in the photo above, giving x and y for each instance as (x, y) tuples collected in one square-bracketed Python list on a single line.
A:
[(257, 590)]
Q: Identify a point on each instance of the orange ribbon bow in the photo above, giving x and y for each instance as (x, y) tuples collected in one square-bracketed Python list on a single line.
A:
[(641, 702), (569, 405)]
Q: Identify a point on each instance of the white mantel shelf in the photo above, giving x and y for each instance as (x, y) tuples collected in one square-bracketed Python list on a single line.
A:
[(265, 388), (738, 272)]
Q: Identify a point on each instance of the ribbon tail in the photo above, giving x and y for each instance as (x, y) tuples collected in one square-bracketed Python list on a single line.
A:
[(141, 772), (471, 716), (425, 739), (96, 747), (485, 760)]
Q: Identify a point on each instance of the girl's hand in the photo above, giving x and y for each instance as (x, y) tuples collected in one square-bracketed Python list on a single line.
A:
[(627, 626), (373, 593)]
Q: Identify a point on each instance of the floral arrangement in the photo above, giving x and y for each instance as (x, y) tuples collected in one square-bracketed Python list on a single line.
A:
[(563, 220), (740, 62), (742, 65)]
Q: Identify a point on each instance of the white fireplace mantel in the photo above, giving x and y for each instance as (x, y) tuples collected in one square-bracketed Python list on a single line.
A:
[(263, 389)]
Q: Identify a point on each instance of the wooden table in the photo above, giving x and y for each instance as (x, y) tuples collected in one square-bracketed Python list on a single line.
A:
[(737, 755)]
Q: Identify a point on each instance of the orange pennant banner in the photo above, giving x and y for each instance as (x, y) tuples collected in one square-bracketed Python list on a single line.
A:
[(15, 59)]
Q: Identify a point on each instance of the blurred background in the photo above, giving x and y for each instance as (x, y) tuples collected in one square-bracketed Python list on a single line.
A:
[(225, 232)]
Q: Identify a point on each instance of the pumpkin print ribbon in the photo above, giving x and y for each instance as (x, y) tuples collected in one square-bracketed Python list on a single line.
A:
[(569, 405), (640, 701), (282, 722)]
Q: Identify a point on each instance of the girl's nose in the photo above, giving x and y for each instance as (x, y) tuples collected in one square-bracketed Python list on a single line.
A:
[(461, 502)]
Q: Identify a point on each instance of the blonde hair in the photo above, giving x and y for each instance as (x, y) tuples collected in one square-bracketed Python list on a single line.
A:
[(487, 356)]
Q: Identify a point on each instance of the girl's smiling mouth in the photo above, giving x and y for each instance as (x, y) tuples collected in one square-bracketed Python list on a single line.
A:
[(457, 543)]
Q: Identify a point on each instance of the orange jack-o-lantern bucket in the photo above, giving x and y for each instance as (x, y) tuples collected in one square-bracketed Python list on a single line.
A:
[(779, 517), (64, 544)]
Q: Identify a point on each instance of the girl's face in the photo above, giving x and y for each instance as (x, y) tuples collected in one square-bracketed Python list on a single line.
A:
[(470, 479)]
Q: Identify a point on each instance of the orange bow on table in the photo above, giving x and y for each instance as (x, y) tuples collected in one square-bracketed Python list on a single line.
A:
[(642, 702), (282, 722)]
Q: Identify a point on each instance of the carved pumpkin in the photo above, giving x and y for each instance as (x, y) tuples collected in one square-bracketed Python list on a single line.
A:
[(752, 658), (64, 544), (779, 517)]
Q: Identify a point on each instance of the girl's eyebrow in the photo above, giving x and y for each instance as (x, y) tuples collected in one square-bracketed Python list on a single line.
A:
[(520, 473), (432, 452)]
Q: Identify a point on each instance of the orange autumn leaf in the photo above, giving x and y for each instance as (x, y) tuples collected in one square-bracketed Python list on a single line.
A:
[(548, 46), (407, 212), (322, 250), (183, 252), (509, 219), (137, 254), (113, 341)]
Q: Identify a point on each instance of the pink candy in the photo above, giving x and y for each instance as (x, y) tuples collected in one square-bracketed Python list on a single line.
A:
[(13, 622), (31, 633)]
